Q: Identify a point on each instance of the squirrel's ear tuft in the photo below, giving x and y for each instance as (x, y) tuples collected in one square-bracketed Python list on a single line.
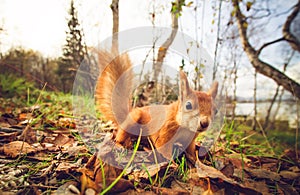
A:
[(184, 88), (213, 90)]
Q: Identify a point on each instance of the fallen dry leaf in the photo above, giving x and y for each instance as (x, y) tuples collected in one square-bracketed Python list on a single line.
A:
[(262, 174), (289, 174), (8, 137), (76, 150), (66, 123), (204, 171), (152, 170), (260, 186), (29, 135), (238, 160), (287, 189), (16, 148), (66, 167), (228, 169), (92, 176), (64, 141)]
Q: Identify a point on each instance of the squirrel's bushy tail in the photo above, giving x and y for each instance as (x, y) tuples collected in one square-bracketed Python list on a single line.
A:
[(113, 90)]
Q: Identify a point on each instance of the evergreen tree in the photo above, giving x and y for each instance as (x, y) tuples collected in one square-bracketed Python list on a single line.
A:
[(73, 51)]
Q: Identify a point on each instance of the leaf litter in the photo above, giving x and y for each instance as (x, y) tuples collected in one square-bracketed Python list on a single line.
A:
[(41, 154)]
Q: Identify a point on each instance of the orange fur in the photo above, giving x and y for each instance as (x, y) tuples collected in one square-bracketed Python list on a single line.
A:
[(191, 114)]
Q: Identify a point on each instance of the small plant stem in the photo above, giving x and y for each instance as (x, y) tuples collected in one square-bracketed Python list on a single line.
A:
[(155, 158), (243, 163), (103, 173), (28, 96), (31, 119), (297, 130), (265, 136), (165, 174), (126, 167), (149, 176)]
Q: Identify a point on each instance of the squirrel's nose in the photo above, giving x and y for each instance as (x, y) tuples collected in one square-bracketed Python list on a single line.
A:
[(204, 123)]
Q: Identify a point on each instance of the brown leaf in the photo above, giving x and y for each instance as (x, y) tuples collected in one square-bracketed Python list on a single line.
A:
[(238, 160), (121, 186), (25, 116), (76, 150), (29, 135), (290, 154), (4, 124), (49, 169), (287, 188), (17, 148), (87, 179), (152, 170), (8, 137), (66, 123), (66, 167), (92, 176), (67, 189), (205, 171), (289, 174), (12, 121), (228, 169), (186, 187), (9, 118), (64, 141), (263, 174), (30, 190), (171, 191), (260, 186)]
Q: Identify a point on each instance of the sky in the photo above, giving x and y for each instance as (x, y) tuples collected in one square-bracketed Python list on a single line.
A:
[(41, 25)]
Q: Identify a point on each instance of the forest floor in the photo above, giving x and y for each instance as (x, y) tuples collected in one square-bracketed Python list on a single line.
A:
[(42, 152)]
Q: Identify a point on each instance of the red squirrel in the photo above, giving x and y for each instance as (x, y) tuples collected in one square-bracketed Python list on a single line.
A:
[(181, 121)]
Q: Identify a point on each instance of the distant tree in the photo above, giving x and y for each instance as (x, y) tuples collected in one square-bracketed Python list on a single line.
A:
[(249, 13), (31, 66), (19, 61), (175, 14), (1, 31), (74, 51)]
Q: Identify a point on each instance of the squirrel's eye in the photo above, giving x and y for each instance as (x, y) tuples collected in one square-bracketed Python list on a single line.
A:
[(188, 106)]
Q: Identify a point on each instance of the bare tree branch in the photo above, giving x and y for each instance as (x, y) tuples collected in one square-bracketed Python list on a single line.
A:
[(215, 66), (259, 65), (293, 41), (269, 43)]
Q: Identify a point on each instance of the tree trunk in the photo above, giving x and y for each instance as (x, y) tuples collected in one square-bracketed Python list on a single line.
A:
[(234, 71), (253, 55), (287, 35), (165, 46), (254, 123), (215, 67), (276, 93), (115, 11), (266, 122)]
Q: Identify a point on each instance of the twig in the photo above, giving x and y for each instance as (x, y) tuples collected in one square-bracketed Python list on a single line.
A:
[(24, 133), (38, 186), (265, 136), (269, 43)]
